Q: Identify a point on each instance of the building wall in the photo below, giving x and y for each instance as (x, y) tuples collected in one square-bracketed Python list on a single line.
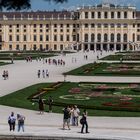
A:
[(94, 26)]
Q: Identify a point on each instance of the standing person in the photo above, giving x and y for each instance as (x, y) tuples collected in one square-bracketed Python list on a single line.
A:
[(20, 119), (43, 73), (47, 73), (84, 121), (66, 118), (6, 74), (12, 121), (50, 101), (41, 105), (38, 73), (76, 113)]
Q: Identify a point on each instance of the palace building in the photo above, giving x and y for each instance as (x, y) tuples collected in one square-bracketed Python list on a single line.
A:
[(100, 27)]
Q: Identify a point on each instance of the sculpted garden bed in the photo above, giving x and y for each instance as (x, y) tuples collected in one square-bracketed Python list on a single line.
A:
[(125, 56), (108, 69), (103, 99), (20, 55)]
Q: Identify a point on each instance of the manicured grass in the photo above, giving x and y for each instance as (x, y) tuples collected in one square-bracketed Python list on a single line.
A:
[(112, 57), (102, 69), (20, 55), (94, 104), (126, 56), (4, 63)]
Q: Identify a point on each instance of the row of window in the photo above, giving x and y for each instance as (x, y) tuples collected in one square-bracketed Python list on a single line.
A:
[(106, 38), (75, 37), (35, 47), (42, 25), (106, 14), (78, 26), (41, 38), (85, 25), (47, 30)]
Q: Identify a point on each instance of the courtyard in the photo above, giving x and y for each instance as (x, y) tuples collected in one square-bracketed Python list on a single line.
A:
[(23, 75)]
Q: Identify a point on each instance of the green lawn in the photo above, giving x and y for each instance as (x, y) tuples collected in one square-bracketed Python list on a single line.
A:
[(20, 55), (126, 56), (4, 63), (112, 57), (94, 104), (107, 69)]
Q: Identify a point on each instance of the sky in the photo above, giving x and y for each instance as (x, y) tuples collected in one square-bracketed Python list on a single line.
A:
[(72, 4)]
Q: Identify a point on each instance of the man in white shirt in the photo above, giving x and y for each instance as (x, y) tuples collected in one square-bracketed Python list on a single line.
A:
[(76, 113)]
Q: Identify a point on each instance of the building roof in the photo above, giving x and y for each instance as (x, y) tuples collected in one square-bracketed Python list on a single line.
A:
[(37, 14)]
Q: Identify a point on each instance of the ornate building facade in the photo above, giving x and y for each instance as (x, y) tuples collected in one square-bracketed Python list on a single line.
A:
[(101, 27)]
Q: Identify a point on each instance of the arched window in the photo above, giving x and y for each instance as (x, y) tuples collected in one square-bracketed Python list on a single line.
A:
[(105, 38), (86, 37), (77, 37), (112, 37), (125, 14), (99, 37), (92, 37), (99, 14), (118, 14), (0, 38), (105, 14), (133, 37), (118, 37), (125, 37)]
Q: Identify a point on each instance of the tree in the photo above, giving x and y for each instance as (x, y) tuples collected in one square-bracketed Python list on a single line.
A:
[(20, 4)]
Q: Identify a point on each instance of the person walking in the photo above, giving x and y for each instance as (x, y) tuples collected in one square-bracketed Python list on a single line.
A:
[(76, 113), (50, 101), (66, 118), (20, 119), (38, 73), (41, 105), (43, 73), (83, 121), (47, 73), (12, 121)]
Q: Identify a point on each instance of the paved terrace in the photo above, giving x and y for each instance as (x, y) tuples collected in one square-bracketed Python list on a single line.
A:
[(23, 74)]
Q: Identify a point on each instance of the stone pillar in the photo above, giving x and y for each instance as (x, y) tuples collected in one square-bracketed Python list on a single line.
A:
[(95, 47), (121, 47), (115, 47), (101, 47)]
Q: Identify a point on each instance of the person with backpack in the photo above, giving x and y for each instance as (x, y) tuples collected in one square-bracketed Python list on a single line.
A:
[(20, 119), (83, 121), (12, 121)]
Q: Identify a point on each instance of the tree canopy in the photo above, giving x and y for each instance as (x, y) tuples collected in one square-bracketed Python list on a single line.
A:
[(21, 4)]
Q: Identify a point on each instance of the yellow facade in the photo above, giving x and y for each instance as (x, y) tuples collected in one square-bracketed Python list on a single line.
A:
[(99, 27)]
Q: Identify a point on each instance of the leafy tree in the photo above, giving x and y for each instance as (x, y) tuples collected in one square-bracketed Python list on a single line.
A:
[(21, 4)]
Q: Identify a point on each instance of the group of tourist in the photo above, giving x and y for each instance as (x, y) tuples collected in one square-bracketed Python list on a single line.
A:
[(71, 116), (44, 73), (28, 59), (85, 57), (5, 74), (12, 122), (59, 62), (41, 103), (74, 60)]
